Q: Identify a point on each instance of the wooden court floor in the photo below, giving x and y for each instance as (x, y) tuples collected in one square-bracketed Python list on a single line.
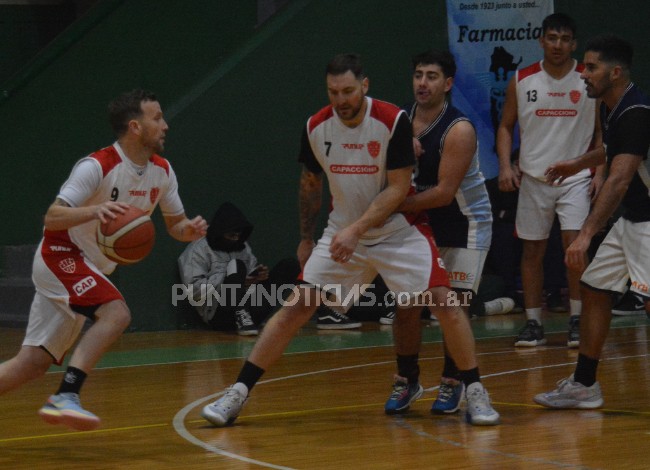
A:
[(321, 406)]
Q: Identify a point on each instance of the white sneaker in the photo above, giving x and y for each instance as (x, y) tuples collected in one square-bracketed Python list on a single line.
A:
[(479, 408), (572, 394), (225, 410)]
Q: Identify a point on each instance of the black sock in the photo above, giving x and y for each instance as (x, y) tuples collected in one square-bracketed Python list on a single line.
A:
[(586, 370), (407, 367), (72, 381), (470, 376), (450, 370), (249, 375)]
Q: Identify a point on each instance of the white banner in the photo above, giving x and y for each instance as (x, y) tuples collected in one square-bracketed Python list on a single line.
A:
[(490, 40)]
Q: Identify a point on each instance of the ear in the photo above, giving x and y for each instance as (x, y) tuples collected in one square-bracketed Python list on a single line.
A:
[(365, 84), (616, 72), (134, 127), (449, 82)]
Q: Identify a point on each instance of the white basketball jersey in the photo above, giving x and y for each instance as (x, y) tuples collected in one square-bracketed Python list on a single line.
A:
[(108, 175), (556, 119), (355, 162)]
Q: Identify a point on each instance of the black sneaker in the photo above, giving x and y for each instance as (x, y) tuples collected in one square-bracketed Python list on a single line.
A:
[(328, 319), (387, 317), (574, 332), (531, 335), (245, 324), (629, 304)]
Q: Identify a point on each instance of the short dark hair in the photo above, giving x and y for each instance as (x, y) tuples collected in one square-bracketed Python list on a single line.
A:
[(342, 63), (612, 49), (558, 22), (125, 107), (445, 60)]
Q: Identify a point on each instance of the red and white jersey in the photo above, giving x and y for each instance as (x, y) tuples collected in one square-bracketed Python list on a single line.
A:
[(355, 160), (109, 175), (556, 119)]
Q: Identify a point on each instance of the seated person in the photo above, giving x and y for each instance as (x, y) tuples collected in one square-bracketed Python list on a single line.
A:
[(221, 268)]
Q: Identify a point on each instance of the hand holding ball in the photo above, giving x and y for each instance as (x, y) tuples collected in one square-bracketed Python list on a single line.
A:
[(128, 238)]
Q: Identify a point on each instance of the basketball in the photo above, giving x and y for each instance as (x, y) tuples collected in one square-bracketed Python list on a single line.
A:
[(128, 238)]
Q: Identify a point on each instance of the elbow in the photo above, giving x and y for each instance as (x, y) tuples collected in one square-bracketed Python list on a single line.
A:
[(446, 199)]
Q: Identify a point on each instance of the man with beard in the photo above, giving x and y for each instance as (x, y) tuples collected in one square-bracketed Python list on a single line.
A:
[(69, 270), (365, 148), (623, 255)]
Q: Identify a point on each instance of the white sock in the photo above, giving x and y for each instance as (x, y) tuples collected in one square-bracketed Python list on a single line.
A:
[(534, 314), (575, 307)]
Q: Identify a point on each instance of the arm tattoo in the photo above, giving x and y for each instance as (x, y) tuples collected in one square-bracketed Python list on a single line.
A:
[(309, 202)]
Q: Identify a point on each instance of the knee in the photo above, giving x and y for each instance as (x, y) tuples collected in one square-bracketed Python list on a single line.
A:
[(117, 313)]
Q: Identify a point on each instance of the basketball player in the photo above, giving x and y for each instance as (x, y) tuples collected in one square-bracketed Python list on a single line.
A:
[(451, 189), (623, 255), (557, 121), (365, 149), (69, 270)]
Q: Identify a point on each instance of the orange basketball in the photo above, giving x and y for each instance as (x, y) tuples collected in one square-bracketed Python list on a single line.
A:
[(128, 238)]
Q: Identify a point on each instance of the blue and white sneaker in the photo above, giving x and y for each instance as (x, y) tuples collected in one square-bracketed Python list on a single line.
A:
[(403, 395), (65, 408), (450, 395)]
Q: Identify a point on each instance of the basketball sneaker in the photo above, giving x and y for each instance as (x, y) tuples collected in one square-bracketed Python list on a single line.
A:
[(532, 334), (387, 318), (571, 394), (479, 408), (65, 408), (245, 324), (225, 410), (450, 394), (402, 396), (328, 319), (574, 332), (629, 304)]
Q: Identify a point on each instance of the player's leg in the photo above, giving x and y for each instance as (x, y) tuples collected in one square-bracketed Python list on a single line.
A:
[(460, 343), (111, 319), (573, 208), (30, 363), (320, 270), (64, 407), (466, 266), (607, 273), (407, 339), (535, 215)]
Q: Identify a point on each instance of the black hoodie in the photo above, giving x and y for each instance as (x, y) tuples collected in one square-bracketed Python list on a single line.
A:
[(228, 218)]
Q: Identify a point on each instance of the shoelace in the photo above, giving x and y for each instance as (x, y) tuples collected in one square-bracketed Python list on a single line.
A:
[(562, 384), (398, 390), (445, 392), (244, 318), (479, 399)]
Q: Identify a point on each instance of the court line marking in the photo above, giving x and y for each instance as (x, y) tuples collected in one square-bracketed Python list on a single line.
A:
[(179, 418)]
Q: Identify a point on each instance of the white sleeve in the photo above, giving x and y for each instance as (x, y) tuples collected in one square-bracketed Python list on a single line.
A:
[(83, 182), (170, 202)]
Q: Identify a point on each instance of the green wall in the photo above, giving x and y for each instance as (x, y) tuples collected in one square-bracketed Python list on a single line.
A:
[(236, 98)]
